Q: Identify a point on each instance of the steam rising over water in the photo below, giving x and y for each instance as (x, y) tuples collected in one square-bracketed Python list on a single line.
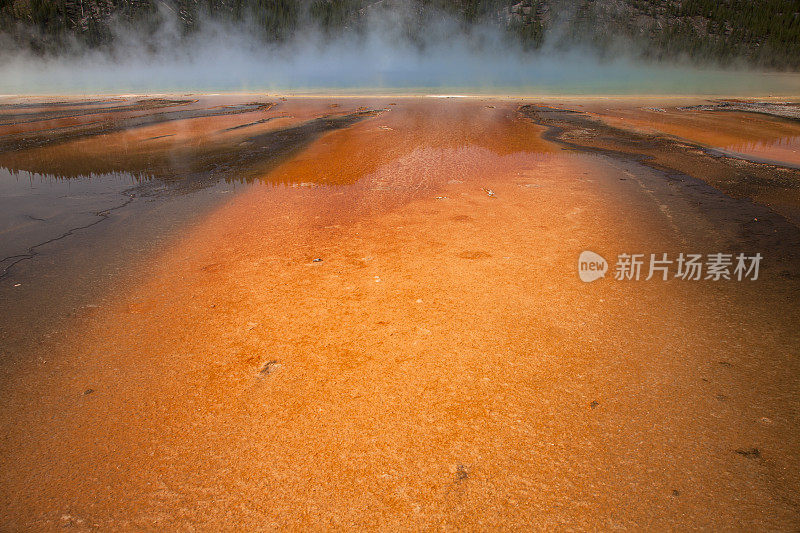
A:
[(226, 58)]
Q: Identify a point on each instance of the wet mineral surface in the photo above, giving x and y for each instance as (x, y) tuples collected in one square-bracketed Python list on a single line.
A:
[(246, 313)]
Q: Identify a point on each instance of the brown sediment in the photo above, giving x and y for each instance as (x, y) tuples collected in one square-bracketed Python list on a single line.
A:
[(56, 104), (773, 185), (17, 135), (255, 123), (744, 134), (83, 110), (380, 344), (786, 110)]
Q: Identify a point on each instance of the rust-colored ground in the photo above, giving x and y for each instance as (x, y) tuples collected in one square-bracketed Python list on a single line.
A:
[(440, 367)]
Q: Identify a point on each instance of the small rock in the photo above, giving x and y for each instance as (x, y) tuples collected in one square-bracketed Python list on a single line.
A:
[(766, 421), (594, 404), (676, 492), (88, 391), (752, 453), (269, 367), (461, 472), (71, 521), (316, 260)]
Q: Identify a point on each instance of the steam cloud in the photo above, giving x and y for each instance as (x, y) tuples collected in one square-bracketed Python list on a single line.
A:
[(223, 57)]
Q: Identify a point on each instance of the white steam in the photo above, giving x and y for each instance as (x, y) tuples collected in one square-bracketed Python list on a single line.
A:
[(223, 57)]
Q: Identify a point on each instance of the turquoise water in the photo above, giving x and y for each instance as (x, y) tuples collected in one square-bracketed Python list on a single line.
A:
[(384, 73)]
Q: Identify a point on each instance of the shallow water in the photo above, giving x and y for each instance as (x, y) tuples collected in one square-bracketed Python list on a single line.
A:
[(785, 149), (383, 69), (39, 208)]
